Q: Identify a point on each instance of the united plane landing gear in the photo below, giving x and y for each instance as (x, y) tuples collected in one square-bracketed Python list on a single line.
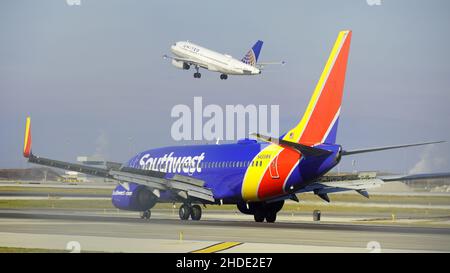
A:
[(197, 74), (146, 214), (186, 211), (223, 76)]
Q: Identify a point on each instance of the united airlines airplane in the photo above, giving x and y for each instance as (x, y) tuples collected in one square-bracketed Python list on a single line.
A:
[(188, 54), (257, 177)]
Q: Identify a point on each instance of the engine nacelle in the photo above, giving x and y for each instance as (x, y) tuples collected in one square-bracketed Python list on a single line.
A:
[(181, 65), (135, 197)]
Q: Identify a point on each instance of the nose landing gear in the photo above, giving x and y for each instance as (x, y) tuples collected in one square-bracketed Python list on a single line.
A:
[(223, 76)]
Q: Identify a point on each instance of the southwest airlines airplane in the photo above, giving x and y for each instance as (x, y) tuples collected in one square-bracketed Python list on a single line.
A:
[(255, 176), (188, 54)]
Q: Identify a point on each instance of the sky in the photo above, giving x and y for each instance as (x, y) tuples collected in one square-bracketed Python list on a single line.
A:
[(93, 79)]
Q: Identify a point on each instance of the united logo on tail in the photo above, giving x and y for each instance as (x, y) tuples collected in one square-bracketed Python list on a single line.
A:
[(251, 58)]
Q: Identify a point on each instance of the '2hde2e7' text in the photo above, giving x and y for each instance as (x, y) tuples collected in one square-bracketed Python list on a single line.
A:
[(231, 262)]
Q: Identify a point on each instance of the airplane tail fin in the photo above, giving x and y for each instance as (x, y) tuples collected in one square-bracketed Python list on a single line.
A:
[(320, 121), (252, 55), (27, 139)]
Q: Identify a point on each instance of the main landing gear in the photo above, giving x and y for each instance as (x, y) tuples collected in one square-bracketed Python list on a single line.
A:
[(268, 211), (197, 74), (261, 210), (223, 76), (268, 214), (186, 210), (146, 214)]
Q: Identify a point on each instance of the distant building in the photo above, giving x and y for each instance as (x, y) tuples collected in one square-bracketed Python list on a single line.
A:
[(97, 162)]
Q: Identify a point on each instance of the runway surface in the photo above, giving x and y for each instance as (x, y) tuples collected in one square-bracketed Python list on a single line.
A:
[(120, 232)]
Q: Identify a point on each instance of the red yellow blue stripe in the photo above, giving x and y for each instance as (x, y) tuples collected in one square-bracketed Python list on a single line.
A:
[(322, 111)]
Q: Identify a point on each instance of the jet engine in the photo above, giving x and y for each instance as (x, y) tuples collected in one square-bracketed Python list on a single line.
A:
[(181, 65), (132, 196)]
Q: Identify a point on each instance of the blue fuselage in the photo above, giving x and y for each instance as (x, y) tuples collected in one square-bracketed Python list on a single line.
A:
[(224, 167)]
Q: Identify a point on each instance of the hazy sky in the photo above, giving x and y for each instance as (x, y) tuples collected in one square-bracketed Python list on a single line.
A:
[(93, 79)]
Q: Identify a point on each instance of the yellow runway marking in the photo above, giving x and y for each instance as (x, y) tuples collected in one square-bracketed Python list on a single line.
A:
[(217, 247)]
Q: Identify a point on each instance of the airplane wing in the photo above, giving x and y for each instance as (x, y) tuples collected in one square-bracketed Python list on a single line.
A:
[(185, 187), (360, 183)]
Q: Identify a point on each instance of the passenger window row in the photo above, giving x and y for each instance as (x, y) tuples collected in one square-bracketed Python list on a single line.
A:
[(231, 164)]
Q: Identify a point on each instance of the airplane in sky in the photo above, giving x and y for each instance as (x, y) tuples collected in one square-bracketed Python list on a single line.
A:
[(187, 54), (257, 177)]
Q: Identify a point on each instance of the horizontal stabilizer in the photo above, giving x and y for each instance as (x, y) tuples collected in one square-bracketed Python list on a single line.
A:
[(261, 65), (388, 178), (376, 149), (303, 149)]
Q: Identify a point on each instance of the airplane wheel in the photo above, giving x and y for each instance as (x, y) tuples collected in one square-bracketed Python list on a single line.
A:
[(271, 217), (146, 214), (225, 76), (259, 216), (197, 75), (196, 212), (184, 212)]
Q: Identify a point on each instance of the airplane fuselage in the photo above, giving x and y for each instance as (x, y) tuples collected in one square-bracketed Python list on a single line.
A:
[(257, 177), (241, 172), (212, 60)]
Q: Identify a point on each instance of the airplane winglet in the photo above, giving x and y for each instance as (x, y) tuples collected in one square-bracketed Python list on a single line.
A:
[(27, 139)]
